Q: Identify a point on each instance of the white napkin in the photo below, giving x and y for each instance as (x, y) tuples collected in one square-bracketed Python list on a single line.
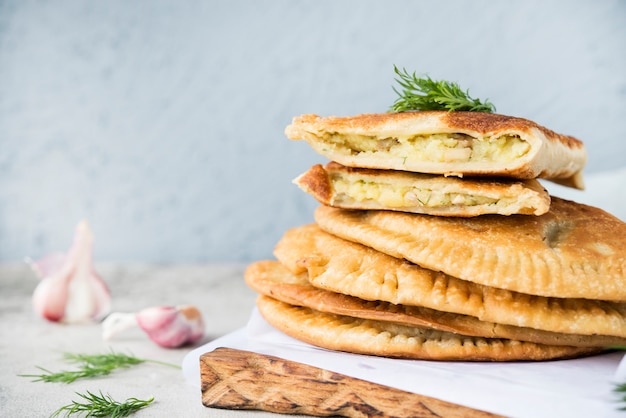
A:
[(605, 190), (572, 388)]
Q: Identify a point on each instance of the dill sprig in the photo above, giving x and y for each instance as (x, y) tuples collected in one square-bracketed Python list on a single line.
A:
[(620, 389), (424, 93), (91, 366), (102, 406)]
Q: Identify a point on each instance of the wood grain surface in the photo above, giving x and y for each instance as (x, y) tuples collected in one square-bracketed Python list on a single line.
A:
[(237, 379)]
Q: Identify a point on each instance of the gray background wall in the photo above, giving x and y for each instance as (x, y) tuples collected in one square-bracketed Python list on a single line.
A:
[(161, 122)]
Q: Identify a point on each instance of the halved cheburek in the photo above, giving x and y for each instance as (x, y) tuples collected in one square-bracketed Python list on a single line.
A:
[(449, 143), (361, 188)]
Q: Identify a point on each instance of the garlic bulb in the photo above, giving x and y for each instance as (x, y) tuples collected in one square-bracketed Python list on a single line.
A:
[(168, 326), (70, 290)]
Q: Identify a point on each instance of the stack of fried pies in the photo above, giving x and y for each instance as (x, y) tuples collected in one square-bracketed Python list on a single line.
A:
[(435, 240)]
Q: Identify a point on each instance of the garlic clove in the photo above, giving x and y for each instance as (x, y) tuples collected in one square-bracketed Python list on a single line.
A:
[(116, 323), (172, 326), (50, 298), (70, 290), (167, 326)]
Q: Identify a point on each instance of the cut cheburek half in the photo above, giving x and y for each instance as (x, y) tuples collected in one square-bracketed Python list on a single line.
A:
[(271, 278), (448, 143), (359, 188), (342, 266), (572, 251), (380, 338)]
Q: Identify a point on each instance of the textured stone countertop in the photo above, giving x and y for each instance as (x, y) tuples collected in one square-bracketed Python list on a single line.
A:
[(28, 341)]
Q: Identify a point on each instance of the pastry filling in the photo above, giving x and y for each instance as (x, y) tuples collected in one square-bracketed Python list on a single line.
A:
[(395, 196), (452, 147)]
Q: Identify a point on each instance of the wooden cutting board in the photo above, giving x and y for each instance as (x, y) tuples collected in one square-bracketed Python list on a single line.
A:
[(237, 379)]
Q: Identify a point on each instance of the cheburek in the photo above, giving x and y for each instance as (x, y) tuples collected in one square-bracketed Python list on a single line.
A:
[(358, 188), (272, 279), (341, 266), (449, 143), (573, 251), (380, 338)]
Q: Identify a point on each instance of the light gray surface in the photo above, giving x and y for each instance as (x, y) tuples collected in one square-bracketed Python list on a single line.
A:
[(161, 121), (27, 341)]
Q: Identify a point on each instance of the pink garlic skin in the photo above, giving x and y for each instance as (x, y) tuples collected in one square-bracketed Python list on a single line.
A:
[(49, 264), (172, 327), (50, 297), (70, 291)]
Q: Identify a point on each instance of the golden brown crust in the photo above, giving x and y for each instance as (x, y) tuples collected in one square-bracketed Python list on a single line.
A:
[(379, 338), (271, 278), (491, 122), (317, 182), (361, 188), (573, 251)]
